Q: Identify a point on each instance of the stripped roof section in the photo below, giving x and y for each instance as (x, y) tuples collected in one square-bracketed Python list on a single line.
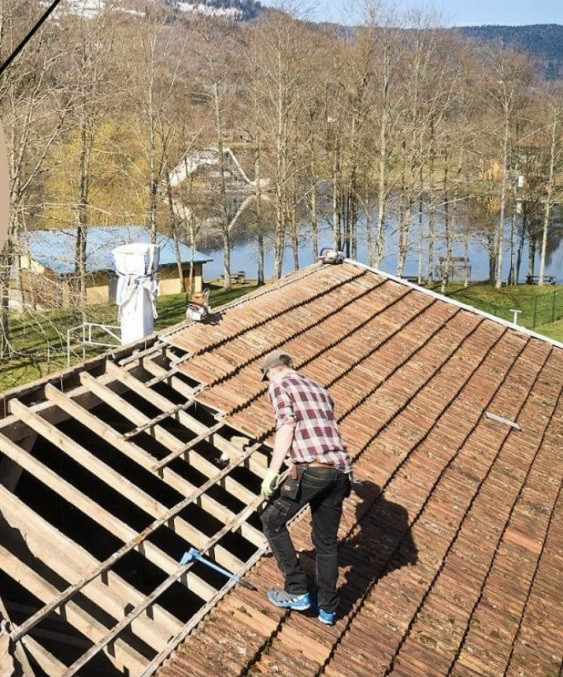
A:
[(449, 544)]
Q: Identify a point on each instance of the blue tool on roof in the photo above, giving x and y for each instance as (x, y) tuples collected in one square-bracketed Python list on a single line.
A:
[(195, 554)]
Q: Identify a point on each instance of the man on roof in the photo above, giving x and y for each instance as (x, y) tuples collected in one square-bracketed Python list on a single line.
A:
[(308, 440)]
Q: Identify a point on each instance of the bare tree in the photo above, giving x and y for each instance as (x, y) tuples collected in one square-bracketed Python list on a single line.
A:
[(281, 56), (34, 115), (509, 72), (554, 115)]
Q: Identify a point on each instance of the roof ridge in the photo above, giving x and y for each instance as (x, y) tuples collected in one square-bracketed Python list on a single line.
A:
[(516, 327)]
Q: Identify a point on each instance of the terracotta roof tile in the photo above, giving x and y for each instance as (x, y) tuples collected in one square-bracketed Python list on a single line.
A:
[(449, 549)]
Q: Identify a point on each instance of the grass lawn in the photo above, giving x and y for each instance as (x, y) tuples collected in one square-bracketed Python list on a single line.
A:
[(538, 305), (553, 330), (39, 339)]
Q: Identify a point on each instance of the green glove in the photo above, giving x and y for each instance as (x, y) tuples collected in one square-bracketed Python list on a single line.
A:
[(269, 484)]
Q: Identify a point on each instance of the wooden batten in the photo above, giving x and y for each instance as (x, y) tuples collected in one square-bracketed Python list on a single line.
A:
[(105, 519), (116, 481), (190, 422), (162, 435)]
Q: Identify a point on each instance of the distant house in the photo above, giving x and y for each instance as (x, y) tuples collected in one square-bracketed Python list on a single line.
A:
[(48, 271), (206, 164)]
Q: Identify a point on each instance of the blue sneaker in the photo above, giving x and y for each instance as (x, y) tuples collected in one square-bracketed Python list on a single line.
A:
[(326, 617), (286, 600)]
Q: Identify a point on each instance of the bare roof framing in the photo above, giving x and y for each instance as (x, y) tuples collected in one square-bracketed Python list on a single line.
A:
[(135, 432)]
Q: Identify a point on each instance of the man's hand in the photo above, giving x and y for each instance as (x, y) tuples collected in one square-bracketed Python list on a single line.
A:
[(269, 484)]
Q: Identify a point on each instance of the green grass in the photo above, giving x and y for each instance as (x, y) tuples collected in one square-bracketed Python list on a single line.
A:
[(553, 330), (39, 339), (539, 306)]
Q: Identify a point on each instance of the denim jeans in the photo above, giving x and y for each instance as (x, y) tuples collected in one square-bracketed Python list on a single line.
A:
[(324, 489)]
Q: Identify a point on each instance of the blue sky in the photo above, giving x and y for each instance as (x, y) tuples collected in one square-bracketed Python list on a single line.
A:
[(454, 12)]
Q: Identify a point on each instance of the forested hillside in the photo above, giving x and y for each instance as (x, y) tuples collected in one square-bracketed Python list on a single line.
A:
[(240, 10), (542, 42)]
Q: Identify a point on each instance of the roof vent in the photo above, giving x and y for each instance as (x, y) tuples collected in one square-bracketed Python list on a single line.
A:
[(329, 255)]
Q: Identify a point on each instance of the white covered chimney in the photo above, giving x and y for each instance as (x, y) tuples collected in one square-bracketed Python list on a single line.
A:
[(136, 266)]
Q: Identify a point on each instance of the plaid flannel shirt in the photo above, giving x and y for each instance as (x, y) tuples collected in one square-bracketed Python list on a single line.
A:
[(300, 402)]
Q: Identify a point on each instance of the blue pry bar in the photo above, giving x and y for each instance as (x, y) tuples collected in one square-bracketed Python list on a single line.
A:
[(195, 554)]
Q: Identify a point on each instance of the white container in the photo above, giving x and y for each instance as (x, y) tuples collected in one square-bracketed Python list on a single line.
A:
[(136, 266)]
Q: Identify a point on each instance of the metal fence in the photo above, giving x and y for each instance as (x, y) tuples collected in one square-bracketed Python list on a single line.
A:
[(532, 312)]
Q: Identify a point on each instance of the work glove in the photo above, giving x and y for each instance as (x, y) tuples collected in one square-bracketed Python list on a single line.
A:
[(269, 484)]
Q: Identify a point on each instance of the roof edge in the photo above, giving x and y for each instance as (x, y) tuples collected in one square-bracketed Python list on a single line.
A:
[(459, 304)]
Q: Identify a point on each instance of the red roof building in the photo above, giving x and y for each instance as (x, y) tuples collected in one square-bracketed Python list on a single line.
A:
[(450, 544)]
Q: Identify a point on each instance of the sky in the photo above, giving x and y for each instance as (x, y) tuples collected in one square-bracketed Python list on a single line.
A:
[(454, 12)]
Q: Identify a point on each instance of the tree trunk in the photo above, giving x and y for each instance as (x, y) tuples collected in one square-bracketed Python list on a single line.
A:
[(374, 258), (547, 210), (224, 207), (447, 234), (500, 234), (174, 228), (259, 225), (82, 211), (336, 199), (431, 214)]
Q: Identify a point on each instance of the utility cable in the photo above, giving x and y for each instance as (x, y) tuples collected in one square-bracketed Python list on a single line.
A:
[(23, 43)]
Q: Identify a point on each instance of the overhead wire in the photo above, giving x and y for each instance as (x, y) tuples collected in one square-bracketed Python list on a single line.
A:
[(27, 38)]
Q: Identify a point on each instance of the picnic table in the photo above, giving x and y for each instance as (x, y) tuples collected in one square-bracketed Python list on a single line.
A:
[(238, 278), (534, 279)]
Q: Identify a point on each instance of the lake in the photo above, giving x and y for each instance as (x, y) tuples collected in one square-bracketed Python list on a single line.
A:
[(244, 255)]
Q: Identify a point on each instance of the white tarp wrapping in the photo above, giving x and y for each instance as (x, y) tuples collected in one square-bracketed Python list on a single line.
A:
[(136, 265)]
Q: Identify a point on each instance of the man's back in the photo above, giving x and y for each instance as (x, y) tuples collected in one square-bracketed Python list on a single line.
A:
[(305, 404)]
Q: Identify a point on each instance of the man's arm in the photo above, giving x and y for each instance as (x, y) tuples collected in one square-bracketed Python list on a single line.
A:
[(282, 445)]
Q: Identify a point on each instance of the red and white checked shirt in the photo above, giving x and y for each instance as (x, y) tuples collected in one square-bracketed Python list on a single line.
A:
[(306, 405)]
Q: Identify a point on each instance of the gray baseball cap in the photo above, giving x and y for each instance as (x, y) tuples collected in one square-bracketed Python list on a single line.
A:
[(277, 358)]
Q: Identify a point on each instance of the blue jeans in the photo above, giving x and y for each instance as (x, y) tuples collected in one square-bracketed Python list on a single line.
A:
[(324, 489)]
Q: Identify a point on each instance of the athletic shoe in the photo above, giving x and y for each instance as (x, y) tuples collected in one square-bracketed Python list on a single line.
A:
[(286, 600), (326, 617)]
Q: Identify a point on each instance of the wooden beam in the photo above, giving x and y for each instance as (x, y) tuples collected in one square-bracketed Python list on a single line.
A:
[(190, 422), (77, 665), (144, 459), (50, 665), (7, 665), (123, 656), (117, 481), (77, 452), (140, 354), (6, 626), (157, 419), (199, 615), (104, 518), (165, 437), (170, 375), (109, 434), (48, 544), (186, 447), (10, 472)]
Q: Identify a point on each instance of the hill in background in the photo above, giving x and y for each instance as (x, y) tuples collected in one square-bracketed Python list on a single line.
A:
[(543, 42)]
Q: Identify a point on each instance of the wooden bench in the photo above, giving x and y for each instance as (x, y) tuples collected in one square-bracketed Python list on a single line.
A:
[(239, 278), (410, 278), (534, 279)]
